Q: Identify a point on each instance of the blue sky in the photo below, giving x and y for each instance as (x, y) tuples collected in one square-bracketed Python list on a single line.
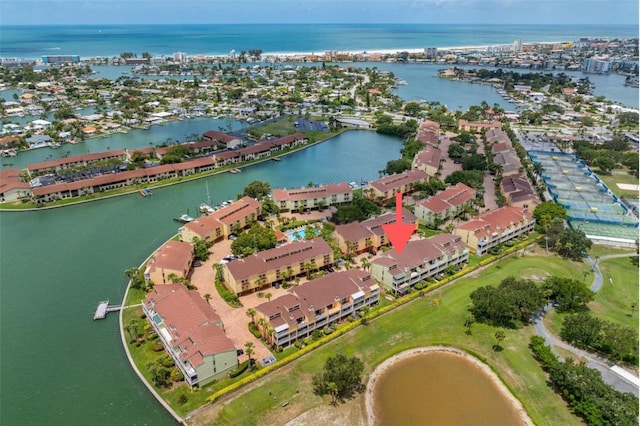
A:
[(39, 12)]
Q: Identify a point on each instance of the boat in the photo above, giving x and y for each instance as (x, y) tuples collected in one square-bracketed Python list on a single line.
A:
[(238, 170), (206, 208), (276, 158), (353, 185), (233, 170), (145, 192), (185, 218)]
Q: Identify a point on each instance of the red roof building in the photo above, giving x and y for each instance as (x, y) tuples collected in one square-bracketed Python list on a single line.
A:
[(172, 258), (312, 197), (446, 204)]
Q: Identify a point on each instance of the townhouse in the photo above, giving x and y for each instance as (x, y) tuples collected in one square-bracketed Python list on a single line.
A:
[(172, 258), (498, 226), (477, 127), (518, 192), (419, 261), (445, 205), (368, 235), (263, 269), (428, 133), (315, 305), (12, 187), (191, 332), (223, 222), (312, 197), (384, 189), (428, 161)]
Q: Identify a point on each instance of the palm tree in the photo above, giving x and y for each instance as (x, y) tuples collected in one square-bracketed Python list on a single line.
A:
[(268, 296), (307, 268), (248, 349), (251, 313), (365, 263), (499, 337), (207, 297)]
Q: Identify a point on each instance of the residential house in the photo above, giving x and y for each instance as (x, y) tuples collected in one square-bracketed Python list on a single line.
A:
[(384, 189), (368, 235), (223, 222), (518, 192), (224, 140), (312, 197), (191, 332), (315, 305), (172, 258), (445, 205), (12, 187), (495, 227), (419, 261), (263, 269)]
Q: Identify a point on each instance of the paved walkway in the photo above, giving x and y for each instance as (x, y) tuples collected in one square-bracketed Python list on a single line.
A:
[(613, 375)]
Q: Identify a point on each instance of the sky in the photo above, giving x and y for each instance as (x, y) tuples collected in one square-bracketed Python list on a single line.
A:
[(67, 12)]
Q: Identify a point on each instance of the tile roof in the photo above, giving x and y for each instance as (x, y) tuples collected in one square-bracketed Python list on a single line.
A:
[(450, 197), (495, 221), (419, 252), (392, 182), (429, 156), (173, 256), (194, 327), (311, 192), (358, 230)]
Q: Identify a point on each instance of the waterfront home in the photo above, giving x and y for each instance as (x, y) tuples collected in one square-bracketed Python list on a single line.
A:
[(191, 332), (172, 258), (518, 192), (428, 160), (384, 189), (40, 124), (419, 261), (223, 222), (428, 133), (495, 227), (222, 139), (83, 160), (12, 187), (477, 127), (39, 141), (445, 205), (312, 197), (316, 305), (368, 235), (263, 269)]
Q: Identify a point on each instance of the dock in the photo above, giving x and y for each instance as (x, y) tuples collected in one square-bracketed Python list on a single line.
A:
[(104, 308)]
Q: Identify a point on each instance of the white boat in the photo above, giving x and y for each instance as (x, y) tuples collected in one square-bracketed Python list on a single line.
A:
[(206, 208), (185, 218)]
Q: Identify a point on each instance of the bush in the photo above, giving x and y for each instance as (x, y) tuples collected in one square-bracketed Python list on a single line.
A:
[(254, 330), (317, 334), (241, 369), (157, 346), (183, 399)]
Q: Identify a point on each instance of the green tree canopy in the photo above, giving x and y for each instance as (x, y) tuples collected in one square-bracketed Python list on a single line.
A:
[(548, 212), (257, 189), (257, 238), (572, 295), (341, 377), (472, 178)]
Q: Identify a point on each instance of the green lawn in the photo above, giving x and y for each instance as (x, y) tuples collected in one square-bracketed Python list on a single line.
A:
[(611, 181), (613, 301), (421, 323)]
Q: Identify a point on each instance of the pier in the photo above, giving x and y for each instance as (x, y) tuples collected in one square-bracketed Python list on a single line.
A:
[(104, 308)]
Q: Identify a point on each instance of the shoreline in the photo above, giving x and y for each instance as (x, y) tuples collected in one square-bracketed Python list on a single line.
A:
[(491, 375)]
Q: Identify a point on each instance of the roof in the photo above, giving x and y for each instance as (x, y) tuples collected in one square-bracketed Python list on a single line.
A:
[(289, 254), (496, 220), (227, 215), (172, 256), (396, 181), (358, 230), (311, 192), (10, 179), (450, 197), (194, 327), (219, 136), (429, 157), (85, 158), (419, 252)]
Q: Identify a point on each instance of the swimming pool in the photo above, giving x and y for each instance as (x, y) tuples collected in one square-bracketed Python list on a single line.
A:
[(300, 234)]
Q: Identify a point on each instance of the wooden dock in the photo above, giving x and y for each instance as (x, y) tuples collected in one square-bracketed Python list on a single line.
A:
[(104, 308)]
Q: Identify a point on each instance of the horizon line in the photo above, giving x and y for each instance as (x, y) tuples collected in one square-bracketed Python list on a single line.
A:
[(318, 23)]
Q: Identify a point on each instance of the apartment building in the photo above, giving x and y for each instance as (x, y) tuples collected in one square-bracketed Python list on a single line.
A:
[(368, 235), (420, 260), (427, 160), (191, 332), (446, 204), (384, 189), (489, 229), (220, 224), (313, 197), (172, 258), (263, 269), (315, 305)]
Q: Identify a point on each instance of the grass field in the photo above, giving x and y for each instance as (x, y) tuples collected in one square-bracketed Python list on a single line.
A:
[(611, 181), (420, 323)]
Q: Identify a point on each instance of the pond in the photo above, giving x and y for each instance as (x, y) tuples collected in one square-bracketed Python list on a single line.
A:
[(440, 386)]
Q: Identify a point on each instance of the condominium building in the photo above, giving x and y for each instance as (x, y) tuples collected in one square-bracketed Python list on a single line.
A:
[(384, 189), (368, 235), (172, 258), (518, 192), (191, 332), (265, 268), (316, 305), (495, 227), (428, 133), (313, 197), (446, 204), (420, 260), (476, 127), (220, 224), (427, 160)]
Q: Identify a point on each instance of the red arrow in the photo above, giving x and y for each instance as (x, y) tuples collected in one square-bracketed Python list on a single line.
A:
[(399, 232)]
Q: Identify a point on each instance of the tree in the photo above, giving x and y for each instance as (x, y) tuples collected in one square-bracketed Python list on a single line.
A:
[(570, 243), (201, 248), (257, 238), (248, 349), (257, 189), (413, 109), (499, 338), (268, 296), (572, 295), (341, 377), (251, 313), (468, 322), (548, 212), (472, 178), (207, 297)]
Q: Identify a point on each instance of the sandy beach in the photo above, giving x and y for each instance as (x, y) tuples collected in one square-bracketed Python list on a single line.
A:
[(380, 369)]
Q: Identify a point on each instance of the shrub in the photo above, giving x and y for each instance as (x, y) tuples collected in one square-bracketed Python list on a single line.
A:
[(183, 399), (241, 369), (317, 334), (254, 330), (157, 346)]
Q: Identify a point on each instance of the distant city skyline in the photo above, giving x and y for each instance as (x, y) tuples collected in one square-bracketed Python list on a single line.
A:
[(77, 12)]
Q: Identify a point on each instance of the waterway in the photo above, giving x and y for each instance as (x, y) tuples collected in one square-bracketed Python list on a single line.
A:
[(61, 368), (440, 389)]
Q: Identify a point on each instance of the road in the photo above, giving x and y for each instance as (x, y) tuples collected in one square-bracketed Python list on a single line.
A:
[(611, 377)]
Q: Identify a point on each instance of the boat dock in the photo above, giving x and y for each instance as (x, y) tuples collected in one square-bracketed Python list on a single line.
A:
[(104, 308)]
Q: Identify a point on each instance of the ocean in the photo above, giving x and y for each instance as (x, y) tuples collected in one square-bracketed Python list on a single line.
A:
[(111, 40)]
